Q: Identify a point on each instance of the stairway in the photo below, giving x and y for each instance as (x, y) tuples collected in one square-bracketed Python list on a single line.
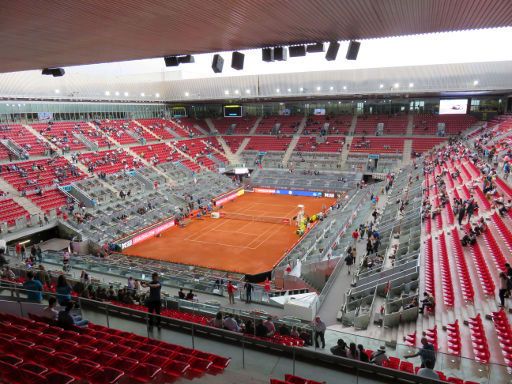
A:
[(210, 125), (255, 126), (406, 158), (23, 201), (145, 128), (353, 125), (200, 129), (39, 136), (232, 159), (345, 152), (290, 149), (243, 145), (410, 125)]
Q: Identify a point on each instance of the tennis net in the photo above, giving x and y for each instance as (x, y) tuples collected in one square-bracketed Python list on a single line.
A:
[(263, 219)]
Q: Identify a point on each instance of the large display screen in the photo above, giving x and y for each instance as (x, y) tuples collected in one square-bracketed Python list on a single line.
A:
[(232, 111), (453, 107)]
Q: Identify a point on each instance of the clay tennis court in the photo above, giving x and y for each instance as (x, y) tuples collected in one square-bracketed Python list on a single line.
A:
[(243, 246)]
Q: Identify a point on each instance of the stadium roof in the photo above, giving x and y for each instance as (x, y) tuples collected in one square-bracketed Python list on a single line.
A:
[(37, 34)]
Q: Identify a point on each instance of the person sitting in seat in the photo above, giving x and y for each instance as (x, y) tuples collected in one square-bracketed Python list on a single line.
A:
[(428, 302), (469, 238), (66, 320)]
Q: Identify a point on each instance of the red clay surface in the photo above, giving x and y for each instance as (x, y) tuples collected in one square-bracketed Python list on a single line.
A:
[(242, 246)]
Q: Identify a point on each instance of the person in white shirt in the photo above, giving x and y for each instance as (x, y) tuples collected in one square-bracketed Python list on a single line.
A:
[(50, 312), (230, 324), (428, 371)]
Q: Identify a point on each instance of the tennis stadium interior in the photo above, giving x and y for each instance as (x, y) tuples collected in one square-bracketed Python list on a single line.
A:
[(342, 181)]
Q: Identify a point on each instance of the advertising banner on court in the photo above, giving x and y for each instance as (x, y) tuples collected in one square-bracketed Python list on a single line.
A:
[(228, 197), (294, 192), (152, 232), (264, 190)]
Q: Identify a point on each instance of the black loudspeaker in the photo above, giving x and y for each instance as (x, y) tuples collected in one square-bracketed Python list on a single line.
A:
[(297, 50), (353, 50), (267, 54), (171, 61), (187, 59), (280, 53), (315, 48), (332, 51), (55, 72), (217, 63), (237, 60)]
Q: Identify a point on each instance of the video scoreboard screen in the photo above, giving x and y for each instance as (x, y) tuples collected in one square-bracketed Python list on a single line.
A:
[(232, 111)]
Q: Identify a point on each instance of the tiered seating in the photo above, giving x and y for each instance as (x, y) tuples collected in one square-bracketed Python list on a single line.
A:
[(157, 153), (233, 142), (158, 127), (504, 335), (108, 161), (338, 125), (479, 340), (429, 267), (52, 171), (495, 251), (184, 126), (426, 124), (41, 353), (243, 125), (482, 270), (10, 211), (462, 268), (431, 336), (292, 379), (198, 150), (453, 338), (505, 188), (503, 230), (262, 143), (289, 125), (377, 144), (50, 199), (421, 144), (393, 125), (447, 285), (331, 144), (61, 134), (24, 138), (118, 130)]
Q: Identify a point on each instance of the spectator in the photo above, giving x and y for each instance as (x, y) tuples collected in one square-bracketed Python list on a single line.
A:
[(190, 296), (39, 254), (503, 292), (428, 371), (63, 290), (271, 328), (363, 356), (248, 292), (340, 349), (67, 321), (43, 276), (181, 294), (261, 329), (294, 332), (428, 301), (33, 288), (426, 353), (8, 274), (154, 302), (230, 324), (218, 321), (50, 312), (319, 327), (353, 352), (379, 356), (231, 292), (284, 330)]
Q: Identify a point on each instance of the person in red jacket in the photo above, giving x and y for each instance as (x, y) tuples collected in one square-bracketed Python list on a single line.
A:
[(355, 235), (231, 292)]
